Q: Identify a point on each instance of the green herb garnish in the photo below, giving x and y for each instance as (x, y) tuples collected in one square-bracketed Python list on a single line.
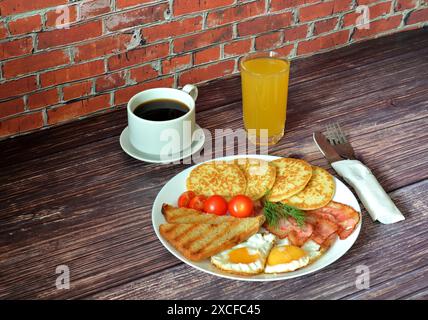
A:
[(274, 211)]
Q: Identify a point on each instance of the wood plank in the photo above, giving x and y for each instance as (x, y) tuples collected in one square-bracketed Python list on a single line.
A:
[(401, 244), (88, 234)]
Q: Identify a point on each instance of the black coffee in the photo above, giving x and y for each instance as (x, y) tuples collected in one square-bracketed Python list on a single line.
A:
[(161, 110)]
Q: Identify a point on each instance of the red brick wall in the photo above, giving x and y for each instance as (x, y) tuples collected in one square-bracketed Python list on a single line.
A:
[(113, 49)]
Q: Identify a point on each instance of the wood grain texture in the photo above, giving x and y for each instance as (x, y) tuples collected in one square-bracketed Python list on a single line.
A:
[(69, 195)]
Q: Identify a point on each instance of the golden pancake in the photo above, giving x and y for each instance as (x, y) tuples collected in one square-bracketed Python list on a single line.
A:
[(292, 175), (259, 174), (318, 192), (221, 178)]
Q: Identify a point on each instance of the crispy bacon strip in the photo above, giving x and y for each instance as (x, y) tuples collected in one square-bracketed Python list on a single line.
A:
[(323, 229), (341, 214), (296, 234), (321, 225)]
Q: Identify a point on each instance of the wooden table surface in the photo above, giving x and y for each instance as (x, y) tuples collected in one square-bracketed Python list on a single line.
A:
[(70, 196)]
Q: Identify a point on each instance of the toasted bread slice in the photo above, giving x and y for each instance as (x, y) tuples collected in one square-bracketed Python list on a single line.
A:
[(198, 241), (186, 215)]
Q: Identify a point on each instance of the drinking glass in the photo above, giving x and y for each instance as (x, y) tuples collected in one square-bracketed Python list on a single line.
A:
[(264, 78)]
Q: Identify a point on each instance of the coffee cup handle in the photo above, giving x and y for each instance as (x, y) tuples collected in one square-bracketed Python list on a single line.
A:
[(191, 90)]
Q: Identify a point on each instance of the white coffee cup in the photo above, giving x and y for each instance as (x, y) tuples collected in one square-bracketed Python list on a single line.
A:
[(162, 138)]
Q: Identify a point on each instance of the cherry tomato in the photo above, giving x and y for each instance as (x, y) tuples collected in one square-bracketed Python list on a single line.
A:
[(216, 204), (184, 199), (241, 206), (197, 203)]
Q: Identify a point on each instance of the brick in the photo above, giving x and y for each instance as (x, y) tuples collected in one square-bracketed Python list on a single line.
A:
[(176, 63), (11, 107), (16, 48), (380, 9), (377, 10), (75, 72), (78, 109), (323, 9), (23, 123), (350, 19), (143, 73), (77, 90), (102, 47), (203, 39), (417, 16), (208, 72), (25, 25), (405, 4), (10, 7), (365, 2), (136, 17), (110, 81), (123, 95), (206, 55), (120, 4), (93, 8), (237, 47), (61, 16), (264, 24), (75, 33), (43, 99), (285, 50), (324, 26), (236, 13), (295, 33), (172, 29), (138, 56), (17, 87), (35, 62), (324, 42), (377, 27), (3, 31), (191, 6), (277, 5), (268, 41)]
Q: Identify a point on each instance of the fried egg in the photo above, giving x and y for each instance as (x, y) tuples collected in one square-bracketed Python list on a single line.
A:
[(285, 257), (248, 257)]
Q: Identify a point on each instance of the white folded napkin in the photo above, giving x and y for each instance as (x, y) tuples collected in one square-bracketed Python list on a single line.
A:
[(374, 198)]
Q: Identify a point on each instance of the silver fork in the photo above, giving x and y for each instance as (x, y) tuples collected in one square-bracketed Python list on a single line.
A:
[(337, 138)]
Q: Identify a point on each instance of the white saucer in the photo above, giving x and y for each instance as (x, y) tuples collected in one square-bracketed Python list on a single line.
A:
[(126, 145)]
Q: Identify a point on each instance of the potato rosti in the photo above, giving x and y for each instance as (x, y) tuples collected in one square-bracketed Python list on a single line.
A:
[(292, 175), (318, 192), (221, 178), (259, 174)]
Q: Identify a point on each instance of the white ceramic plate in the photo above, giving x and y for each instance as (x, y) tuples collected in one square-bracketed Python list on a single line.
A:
[(174, 187)]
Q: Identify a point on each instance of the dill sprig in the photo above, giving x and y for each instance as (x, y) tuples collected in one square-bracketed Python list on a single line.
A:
[(274, 211)]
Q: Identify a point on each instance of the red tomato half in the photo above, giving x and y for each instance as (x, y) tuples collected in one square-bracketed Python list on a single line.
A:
[(197, 203), (241, 206), (184, 199), (216, 204)]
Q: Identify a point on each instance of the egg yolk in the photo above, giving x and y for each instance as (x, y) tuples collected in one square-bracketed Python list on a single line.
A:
[(285, 254), (241, 255)]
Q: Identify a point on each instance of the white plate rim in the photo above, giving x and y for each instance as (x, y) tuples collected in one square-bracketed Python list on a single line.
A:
[(347, 243)]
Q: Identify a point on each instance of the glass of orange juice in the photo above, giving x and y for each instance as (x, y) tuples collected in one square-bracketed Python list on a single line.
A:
[(264, 78)]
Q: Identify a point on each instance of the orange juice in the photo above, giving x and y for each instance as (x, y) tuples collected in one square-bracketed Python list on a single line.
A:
[(264, 96)]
